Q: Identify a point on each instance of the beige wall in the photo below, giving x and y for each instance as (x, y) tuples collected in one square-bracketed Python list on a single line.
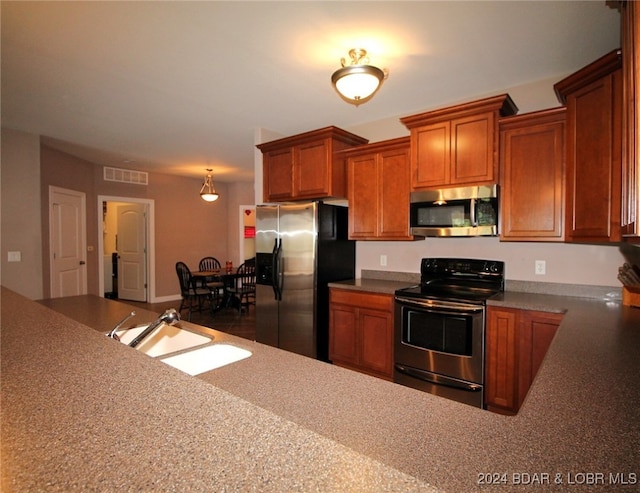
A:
[(186, 227), (21, 226), (239, 194), (593, 265)]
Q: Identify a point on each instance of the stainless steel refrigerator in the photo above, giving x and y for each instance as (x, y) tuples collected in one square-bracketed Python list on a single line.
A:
[(300, 248)]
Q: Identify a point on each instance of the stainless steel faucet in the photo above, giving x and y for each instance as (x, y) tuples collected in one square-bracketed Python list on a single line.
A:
[(112, 334), (170, 317)]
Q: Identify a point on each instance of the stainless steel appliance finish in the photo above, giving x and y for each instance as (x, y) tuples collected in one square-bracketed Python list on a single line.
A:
[(464, 211), (300, 248), (440, 325)]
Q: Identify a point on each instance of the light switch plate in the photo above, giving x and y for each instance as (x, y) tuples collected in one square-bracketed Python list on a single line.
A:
[(14, 256)]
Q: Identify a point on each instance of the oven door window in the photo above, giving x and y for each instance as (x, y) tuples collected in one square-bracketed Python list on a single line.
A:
[(446, 333)]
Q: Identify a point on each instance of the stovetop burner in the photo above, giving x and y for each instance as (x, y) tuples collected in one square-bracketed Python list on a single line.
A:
[(470, 280)]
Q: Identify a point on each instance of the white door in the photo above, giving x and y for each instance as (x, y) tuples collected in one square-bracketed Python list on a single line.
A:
[(131, 247), (67, 240)]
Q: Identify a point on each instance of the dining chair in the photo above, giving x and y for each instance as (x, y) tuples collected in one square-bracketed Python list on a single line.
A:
[(209, 263), (244, 288), (192, 295), (216, 286)]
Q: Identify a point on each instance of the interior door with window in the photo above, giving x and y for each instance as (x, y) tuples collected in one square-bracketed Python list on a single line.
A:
[(67, 239), (132, 252)]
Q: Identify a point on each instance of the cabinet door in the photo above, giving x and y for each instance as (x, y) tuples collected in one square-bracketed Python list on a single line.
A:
[(532, 155), (278, 175), (430, 155), (343, 340), (631, 113), (501, 350), (394, 190), (362, 179), (376, 337), (537, 331), (311, 170), (593, 161), (361, 331), (473, 159)]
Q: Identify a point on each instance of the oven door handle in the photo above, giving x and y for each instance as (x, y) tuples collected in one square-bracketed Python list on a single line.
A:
[(438, 379), (440, 306)]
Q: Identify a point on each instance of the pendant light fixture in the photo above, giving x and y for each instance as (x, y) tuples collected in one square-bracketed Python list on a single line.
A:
[(208, 191), (357, 81)]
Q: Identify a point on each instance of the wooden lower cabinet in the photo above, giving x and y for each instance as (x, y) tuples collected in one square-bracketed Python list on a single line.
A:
[(516, 343), (361, 331)]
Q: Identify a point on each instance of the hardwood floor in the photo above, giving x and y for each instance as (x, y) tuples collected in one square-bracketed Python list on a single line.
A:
[(228, 320)]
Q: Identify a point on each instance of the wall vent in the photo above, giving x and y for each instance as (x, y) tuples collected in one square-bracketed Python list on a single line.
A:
[(126, 176)]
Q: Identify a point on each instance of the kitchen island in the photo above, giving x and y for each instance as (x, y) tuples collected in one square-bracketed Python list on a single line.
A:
[(80, 412)]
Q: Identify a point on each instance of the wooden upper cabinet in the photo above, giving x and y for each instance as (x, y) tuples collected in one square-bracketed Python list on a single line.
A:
[(306, 166), (532, 154), (631, 113), (457, 145), (278, 174), (593, 97), (378, 190)]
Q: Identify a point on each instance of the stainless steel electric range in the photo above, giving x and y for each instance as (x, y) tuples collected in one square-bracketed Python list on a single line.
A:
[(440, 327)]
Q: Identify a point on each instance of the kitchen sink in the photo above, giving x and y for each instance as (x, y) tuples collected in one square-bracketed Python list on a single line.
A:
[(164, 340), (207, 358)]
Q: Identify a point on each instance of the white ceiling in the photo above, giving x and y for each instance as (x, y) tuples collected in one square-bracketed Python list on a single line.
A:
[(181, 86)]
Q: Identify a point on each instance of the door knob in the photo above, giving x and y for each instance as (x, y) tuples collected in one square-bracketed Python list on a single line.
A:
[(82, 262)]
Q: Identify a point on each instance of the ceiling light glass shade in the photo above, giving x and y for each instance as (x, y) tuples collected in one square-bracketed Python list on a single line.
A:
[(208, 191), (357, 82)]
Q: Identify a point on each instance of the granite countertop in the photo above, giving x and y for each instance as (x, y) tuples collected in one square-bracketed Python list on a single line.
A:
[(81, 413), (382, 286)]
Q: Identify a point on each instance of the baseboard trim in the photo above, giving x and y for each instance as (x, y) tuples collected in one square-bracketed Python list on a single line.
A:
[(164, 299)]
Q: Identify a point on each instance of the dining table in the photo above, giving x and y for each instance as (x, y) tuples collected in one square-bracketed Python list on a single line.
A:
[(228, 279)]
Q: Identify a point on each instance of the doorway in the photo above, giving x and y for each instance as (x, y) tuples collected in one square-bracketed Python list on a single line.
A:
[(247, 241), (126, 248)]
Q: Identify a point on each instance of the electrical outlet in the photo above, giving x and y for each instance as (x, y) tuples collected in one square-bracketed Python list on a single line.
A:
[(541, 267), (383, 260)]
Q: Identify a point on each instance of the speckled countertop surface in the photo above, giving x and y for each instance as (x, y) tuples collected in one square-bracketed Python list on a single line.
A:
[(80, 413)]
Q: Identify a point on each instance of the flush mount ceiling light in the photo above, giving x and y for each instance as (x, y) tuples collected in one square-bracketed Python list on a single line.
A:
[(208, 191), (357, 81)]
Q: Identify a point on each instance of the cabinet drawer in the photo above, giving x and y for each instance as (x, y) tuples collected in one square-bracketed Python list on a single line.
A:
[(374, 301)]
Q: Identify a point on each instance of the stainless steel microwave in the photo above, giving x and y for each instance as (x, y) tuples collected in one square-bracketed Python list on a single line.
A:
[(464, 211)]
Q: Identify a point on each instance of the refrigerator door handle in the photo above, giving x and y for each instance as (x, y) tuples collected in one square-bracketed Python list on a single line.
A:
[(279, 274), (275, 266), (274, 272)]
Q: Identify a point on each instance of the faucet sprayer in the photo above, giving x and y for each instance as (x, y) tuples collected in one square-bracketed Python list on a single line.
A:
[(112, 334), (170, 317)]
